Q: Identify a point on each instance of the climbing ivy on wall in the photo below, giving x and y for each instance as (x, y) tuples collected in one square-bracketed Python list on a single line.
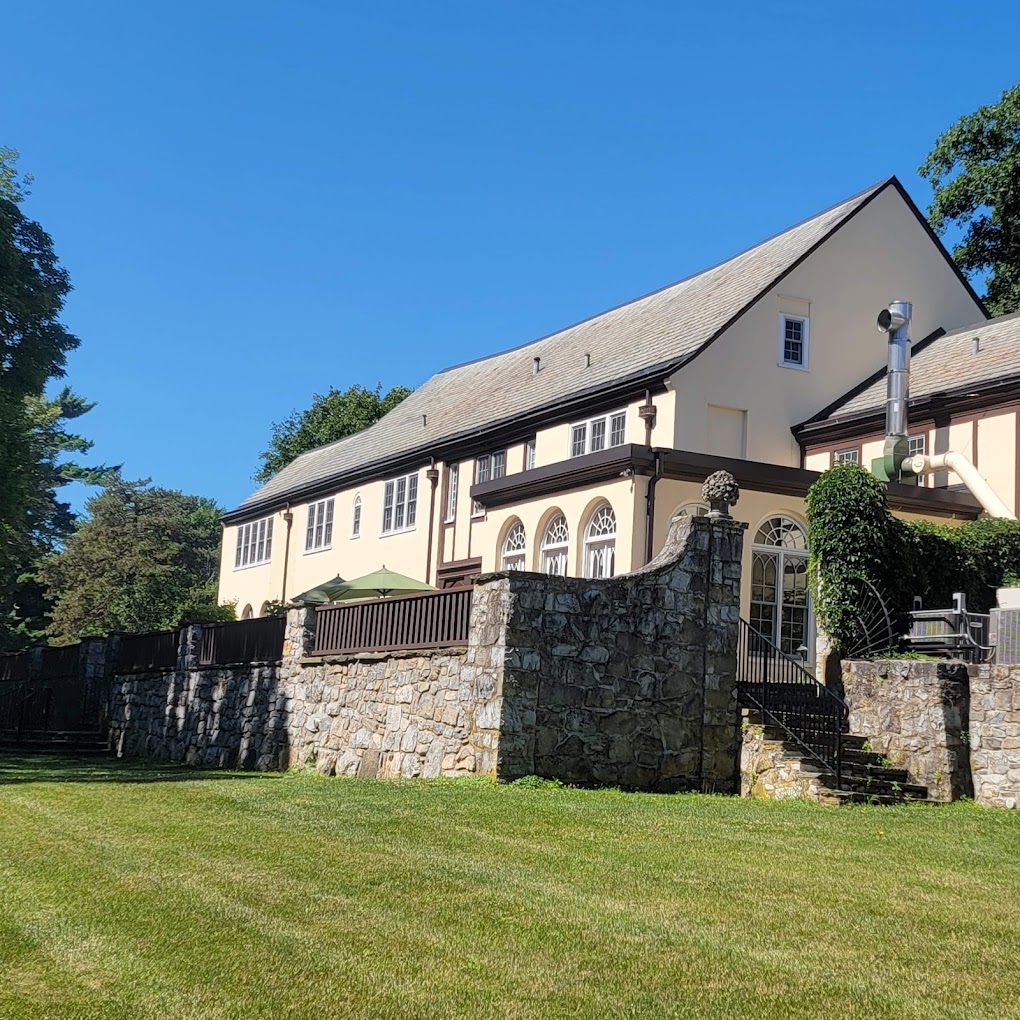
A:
[(856, 539)]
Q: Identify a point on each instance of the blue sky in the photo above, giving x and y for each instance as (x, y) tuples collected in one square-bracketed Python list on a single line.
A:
[(257, 200)]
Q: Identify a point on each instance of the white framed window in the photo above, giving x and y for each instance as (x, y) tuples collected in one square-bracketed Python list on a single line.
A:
[(514, 551), (555, 546), (488, 468), (692, 510), (598, 433), (529, 455), (400, 504), (600, 543), (916, 445), (851, 455), (254, 543), (356, 517), (793, 341), (780, 597), (319, 533), (451, 493)]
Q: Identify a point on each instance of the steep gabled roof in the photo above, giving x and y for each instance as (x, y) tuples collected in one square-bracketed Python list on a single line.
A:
[(648, 337), (986, 354)]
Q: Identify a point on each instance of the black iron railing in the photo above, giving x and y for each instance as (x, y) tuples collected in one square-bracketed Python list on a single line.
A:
[(791, 698)]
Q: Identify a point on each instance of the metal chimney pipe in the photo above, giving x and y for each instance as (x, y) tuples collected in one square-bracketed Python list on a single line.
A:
[(895, 320)]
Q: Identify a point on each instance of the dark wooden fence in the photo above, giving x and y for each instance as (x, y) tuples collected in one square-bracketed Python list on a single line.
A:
[(431, 620), (16, 666), (258, 640), (140, 653), (55, 699)]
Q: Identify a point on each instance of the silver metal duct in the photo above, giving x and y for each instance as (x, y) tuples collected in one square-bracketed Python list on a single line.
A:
[(895, 320)]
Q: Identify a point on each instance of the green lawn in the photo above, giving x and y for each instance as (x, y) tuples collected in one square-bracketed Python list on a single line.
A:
[(136, 892)]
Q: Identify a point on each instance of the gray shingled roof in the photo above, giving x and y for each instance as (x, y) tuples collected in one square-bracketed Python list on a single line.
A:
[(661, 329), (949, 363)]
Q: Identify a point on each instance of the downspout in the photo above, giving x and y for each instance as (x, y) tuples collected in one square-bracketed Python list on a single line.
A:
[(289, 519), (650, 508), (969, 475), (432, 474)]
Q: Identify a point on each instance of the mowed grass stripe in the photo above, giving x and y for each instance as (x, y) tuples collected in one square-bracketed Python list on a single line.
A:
[(240, 896)]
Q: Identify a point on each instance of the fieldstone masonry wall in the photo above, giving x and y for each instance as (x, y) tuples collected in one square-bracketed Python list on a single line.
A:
[(995, 734), (953, 727), (915, 713), (629, 681)]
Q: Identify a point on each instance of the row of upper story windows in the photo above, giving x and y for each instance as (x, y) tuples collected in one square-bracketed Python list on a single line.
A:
[(400, 495)]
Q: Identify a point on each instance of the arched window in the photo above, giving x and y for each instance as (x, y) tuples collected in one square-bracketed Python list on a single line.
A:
[(513, 553), (246, 613), (692, 510), (600, 543), (555, 546), (264, 611), (780, 609), (356, 517)]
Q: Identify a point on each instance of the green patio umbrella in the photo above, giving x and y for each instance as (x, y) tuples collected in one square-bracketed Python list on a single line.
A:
[(380, 582), (322, 593)]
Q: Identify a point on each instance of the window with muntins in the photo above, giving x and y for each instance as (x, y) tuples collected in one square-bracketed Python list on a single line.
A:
[(849, 456), (599, 433), (793, 341), (529, 455), (915, 446), (555, 546), (356, 518), (780, 604), (254, 543), (600, 543), (319, 534), (400, 504), (488, 467), (451, 493), (514, 552)]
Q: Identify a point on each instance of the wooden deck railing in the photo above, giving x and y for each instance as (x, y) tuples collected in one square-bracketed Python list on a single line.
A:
[(430, 620), (142, 652), (259, 640)]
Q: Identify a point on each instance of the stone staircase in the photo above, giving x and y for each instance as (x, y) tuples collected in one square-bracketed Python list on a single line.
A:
[(776, 764), (73, 743)]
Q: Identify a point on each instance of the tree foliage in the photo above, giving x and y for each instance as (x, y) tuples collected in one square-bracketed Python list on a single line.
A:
[(974, 170), (332, 416), (35, 442), (142, 559), (855, 537)]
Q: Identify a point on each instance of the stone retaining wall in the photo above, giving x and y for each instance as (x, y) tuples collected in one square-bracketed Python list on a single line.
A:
[(955, 728), (768, 770), (915, 714)]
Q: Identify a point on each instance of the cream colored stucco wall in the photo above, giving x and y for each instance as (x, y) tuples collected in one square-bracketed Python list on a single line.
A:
[(997, 454), (883, 253)]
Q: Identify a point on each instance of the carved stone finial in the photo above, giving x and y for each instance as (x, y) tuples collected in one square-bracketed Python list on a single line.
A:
[(720, 492)]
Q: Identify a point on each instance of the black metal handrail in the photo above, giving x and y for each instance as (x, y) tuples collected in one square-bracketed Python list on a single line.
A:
[(813, 716)]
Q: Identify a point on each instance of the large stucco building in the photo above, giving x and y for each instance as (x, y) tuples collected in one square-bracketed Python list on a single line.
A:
[(572, 453)]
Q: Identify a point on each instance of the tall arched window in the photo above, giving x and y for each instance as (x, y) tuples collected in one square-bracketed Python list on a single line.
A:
[(356, 517), (246, 613), (779, 585), (555, 546), (600, 543), (514, 546)]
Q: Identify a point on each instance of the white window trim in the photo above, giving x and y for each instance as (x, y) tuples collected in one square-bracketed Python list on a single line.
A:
[(587, 423), (847, 449), (253, 545), (328, 506), (405, 527), (805, 366), (452, 481), (357, 512), (529, 455), (477, 510)]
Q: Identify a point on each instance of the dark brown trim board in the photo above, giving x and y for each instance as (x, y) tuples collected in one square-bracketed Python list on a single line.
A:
[(685, 465)]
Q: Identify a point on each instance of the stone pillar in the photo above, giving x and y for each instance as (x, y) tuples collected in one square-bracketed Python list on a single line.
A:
[(299, 634), (189, 647), (995, 734)]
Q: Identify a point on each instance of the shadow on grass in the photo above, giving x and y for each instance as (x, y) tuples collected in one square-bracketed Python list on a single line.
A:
[(51, 768)]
